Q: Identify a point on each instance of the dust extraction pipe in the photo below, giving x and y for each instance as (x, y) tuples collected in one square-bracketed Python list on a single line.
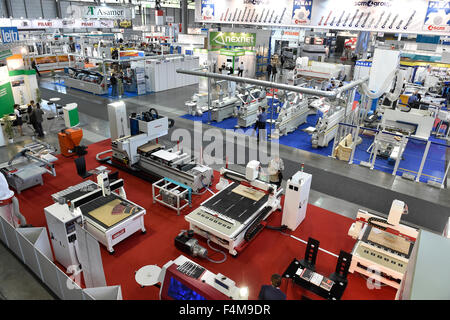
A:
[(328, 94)]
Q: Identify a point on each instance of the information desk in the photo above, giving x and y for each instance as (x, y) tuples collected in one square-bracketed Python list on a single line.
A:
[(335, 293)]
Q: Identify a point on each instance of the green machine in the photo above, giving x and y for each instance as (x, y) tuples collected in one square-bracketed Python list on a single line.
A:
[(71, 118)]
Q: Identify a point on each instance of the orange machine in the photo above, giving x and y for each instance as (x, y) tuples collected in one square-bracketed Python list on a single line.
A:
[(69, 141)]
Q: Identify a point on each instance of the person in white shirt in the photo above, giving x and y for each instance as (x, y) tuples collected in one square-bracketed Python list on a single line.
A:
[(241, 69), (18, 121)]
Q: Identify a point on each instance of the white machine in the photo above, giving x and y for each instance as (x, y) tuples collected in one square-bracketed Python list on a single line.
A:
[(141, 153), (383, 246), (251, 101), (419, 122), (26, 168), (117, 116), (296, 199), (110, 218), (198, 104), (293, 114), (327, 127), (234, 216), (227, 104), (183, 279), (61, 227)]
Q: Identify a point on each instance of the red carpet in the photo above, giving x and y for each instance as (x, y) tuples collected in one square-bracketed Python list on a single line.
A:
[(270, 252)]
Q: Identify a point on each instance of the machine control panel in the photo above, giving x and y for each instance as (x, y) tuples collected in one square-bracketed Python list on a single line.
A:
[(214, 222)]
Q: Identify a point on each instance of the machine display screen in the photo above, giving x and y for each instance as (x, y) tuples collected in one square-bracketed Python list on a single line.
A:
[(179, 291)]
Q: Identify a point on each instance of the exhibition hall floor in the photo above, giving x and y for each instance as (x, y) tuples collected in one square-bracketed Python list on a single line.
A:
[(336, 186), (270, 252)]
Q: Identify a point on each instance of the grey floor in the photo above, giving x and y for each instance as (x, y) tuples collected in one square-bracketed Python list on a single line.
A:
[(16, 281)]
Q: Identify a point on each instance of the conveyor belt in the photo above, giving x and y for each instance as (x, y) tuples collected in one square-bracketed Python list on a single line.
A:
[(233, 205)]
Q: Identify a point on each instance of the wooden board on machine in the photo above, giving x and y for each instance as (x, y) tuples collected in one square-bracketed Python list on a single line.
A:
[(250, 193)]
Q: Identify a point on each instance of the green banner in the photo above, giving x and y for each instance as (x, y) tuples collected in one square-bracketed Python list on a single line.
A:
[(234, 39), (6, 99)]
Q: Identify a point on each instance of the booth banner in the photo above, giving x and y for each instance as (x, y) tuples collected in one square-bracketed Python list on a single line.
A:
[(392, 16), (123, 24), (104, 12), (233, 39), (438, 16), (81, 24), (6, 95)]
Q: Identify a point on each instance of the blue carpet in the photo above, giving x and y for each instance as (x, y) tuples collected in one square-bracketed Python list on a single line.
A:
[(434, 167)]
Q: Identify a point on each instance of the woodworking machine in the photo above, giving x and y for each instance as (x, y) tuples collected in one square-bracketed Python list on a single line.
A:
[(383, 246)]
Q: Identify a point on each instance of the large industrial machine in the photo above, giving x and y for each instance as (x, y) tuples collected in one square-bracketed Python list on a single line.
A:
[(26, 168), (183, 279), (227, 104), (251, 101), (327, 127), (383, 246), (293, 114), (198, 104), (140, 153), (234, 216), (101, 208)]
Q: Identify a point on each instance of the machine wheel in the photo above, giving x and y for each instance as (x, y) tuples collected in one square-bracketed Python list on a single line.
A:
[(144, 232), (111, 252)]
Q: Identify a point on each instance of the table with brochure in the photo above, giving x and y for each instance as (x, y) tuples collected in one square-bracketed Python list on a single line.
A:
[(314, 282)]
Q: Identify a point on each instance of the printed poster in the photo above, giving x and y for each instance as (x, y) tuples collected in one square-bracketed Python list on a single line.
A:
[(207, 9), (301, 12), (438, 16)]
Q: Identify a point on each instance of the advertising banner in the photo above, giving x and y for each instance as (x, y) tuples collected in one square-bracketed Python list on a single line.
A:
[(6, 95), (103, 12), (391, 16), (123, 24), (438, 16), (9, 34), (234, 39)]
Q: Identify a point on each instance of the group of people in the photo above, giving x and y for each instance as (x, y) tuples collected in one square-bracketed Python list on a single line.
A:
[(35, 118), (116, 81)]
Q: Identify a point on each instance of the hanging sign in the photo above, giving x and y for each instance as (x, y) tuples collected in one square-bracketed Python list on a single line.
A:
[(234, 39), (391, 16)]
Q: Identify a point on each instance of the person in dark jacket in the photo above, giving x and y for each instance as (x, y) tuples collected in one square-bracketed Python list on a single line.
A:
[(272, 292), (113, 81), (269, 71), (262, 119), (33, 65), (36, 120)]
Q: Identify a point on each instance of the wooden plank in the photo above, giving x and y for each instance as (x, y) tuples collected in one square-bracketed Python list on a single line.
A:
[(250, 193), (105, 214), (389, 240)]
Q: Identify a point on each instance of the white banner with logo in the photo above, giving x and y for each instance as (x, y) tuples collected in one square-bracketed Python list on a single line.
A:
[(22, 24), (391, 16)]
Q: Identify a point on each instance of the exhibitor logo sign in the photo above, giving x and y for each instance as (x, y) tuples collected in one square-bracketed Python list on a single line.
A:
[(301, 11), (9, 34), (373, 4), (234, 39), (207, 9), (438, 16), (104, 12)]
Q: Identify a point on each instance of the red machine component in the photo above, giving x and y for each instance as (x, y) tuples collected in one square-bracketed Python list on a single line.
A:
[(69, 140)]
